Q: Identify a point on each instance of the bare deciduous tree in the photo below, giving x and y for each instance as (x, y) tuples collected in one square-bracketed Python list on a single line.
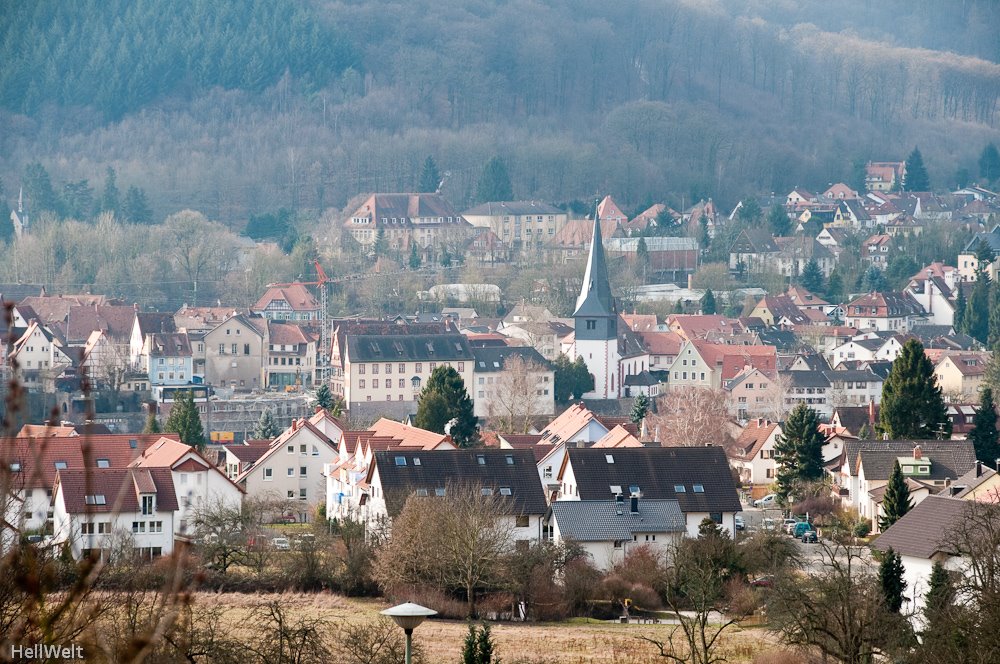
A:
[(455, 543), (513, 399), (692, 417)]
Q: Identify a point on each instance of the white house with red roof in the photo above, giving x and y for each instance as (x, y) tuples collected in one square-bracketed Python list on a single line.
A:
[(199, 485), (102, 510), (884, 312), (287, 302), (753, 452), (294, 466), (708, 365)]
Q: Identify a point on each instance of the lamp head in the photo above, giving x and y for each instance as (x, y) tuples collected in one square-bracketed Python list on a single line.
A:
[(409, 615)]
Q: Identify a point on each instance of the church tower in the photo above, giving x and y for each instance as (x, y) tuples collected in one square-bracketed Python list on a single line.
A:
[(596, 323)]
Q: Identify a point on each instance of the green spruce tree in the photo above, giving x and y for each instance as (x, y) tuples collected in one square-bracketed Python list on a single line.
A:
[(324, 398), (778, 222), (960, 306), (989, 163), (708, 306), (494, 183), (185, 421), (430, 178), (445, 407), (798, 451), (984, 428), (993, 319), (136, 209), (890, 574), (912, 405), (414, 261), (111, 199), (583, 380), (940, 640), (916, 173), (812, 277), (640, 408), (642, 263), (152, 424), (266, 427), (896, 500)]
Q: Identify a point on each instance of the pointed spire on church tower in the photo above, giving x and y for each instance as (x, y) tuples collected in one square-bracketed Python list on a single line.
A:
[(595, 298)]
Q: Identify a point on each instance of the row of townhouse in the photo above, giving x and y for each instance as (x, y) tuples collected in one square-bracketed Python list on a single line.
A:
[(98, 493)]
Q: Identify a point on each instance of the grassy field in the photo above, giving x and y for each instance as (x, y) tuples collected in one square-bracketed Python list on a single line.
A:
[(575, 642)]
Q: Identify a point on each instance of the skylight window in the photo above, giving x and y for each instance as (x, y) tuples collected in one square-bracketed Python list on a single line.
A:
[(422, 493), (609, 458), (505, 491), (416, 461), (61, 465), (633, 489), (96, 499), (679, 488), (133, 443), (486, 491), (440, 491), (103, 463), (616, 489), (15, 467), (510, 459), (400, 461), (481, 459), (698, 488)]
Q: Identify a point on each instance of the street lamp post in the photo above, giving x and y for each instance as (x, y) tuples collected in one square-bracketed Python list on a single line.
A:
[(409, 616)]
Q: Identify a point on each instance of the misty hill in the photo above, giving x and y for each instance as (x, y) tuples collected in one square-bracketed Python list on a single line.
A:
[(240, 106)]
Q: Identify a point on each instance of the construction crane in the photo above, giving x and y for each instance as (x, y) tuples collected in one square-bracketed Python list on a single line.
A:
[(323, 353)]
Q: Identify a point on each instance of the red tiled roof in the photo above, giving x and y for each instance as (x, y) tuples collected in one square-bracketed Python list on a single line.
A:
[(121, 488), (407, 434), (38, 456), (296, 295), (753, 437), (618, 437), (662, 343)]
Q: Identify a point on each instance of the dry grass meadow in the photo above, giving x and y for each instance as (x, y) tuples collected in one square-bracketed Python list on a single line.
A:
[(574, 642)]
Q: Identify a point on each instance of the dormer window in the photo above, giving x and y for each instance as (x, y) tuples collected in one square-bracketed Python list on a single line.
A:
[(591, 324)]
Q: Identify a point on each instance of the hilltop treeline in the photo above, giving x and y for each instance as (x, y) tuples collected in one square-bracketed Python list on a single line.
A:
[(241, 106)]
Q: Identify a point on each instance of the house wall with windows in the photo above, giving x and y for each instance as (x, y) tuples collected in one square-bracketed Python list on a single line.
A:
[(235, 353)]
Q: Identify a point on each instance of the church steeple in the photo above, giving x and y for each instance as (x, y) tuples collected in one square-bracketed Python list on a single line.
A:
[(595, 307)]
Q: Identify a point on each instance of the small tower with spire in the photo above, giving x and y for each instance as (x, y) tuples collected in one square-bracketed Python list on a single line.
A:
[(596, 322)]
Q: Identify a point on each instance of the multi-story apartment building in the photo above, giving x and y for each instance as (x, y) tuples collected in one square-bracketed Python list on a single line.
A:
[(235, 353), (381, 366), (519, 224), (430, 220), (291, 302)]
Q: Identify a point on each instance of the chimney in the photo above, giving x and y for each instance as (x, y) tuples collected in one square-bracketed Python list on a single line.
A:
[(979, 468), (295, 425), (634, 503), (319, 409), (690, 281), (760, 422), (918, 453), (871, 412)]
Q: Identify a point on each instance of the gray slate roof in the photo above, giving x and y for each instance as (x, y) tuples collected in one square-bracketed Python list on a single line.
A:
[(492, 359), (949, 458), (923, 531), (497, 208), (608, 520), (657, 471), (805, 378), (409, 347), (595, 296)]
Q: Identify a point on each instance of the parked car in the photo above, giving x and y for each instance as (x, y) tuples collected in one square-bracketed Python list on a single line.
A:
[(768, 524), (739, 522), (770, 500), (788, 525), (281, 543), (810, 537), (801, 528)]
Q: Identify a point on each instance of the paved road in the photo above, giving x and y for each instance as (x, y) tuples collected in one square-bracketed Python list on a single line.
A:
[(812, 554)]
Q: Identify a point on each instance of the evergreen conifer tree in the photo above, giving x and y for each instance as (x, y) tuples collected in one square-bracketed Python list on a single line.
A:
[(708, 305), (959, 315), (890, 574), (111, 199), (896, 500), (266, 428), (642, 259), (916, 173), (494, 183), (798, 451), (778, 222), (912, 405), (993, 318), (152, 424), (414, 261), (984, 428), (989, 163), (429, 177), (324, 398), (640, 408), (185, 421), (975, 318), (137, 206), (812, 277), (443, 401), (583, 380)]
